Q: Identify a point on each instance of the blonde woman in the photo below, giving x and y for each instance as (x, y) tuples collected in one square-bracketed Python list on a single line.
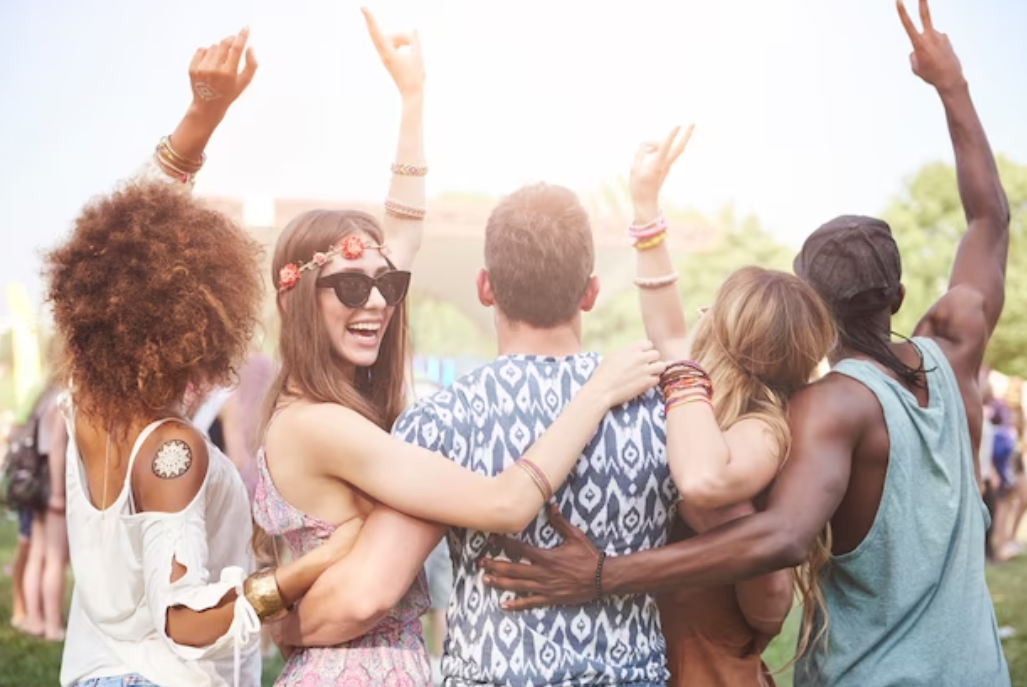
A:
[(725, 391)]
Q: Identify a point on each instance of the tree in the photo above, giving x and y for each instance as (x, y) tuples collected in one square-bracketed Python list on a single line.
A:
[(618, 321), (927, 221)]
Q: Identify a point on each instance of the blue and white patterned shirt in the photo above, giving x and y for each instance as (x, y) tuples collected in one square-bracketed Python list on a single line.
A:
[(620, 494)]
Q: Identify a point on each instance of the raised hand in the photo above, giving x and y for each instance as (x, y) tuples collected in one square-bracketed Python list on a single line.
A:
[(933, 58), (652, 163), (215, 77), (628, 373), (401, 55)]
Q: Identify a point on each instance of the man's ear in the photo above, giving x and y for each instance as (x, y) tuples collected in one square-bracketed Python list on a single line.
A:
[(588, 301), (897, 305), (485, 295)]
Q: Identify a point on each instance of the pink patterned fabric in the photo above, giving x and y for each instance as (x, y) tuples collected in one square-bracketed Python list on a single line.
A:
[(392, 655)]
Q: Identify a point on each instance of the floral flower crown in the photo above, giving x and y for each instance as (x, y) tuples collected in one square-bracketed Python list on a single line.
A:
[(351, 248)]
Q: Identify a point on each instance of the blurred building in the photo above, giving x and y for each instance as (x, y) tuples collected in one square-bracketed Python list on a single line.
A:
[(451, 254)]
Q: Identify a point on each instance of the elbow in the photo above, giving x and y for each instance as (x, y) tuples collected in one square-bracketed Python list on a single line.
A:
[(370, 609), (182, 632), (511, 517), (702, 492)]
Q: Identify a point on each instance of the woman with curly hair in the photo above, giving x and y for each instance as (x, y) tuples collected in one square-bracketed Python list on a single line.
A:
[(727, 436), (152, 294), (328, 458)]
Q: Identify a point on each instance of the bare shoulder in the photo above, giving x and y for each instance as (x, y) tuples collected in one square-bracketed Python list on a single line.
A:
[(170, 468), (958, 323), (302, 421), (835, 403)]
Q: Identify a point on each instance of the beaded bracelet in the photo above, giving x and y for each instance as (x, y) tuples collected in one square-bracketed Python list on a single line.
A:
[(400, 169), (656, 282), (645, 231), (599, 575), (402, 210)]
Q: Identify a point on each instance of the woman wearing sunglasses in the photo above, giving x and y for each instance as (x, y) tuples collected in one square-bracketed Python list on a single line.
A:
[(328, 457), (725, 392)]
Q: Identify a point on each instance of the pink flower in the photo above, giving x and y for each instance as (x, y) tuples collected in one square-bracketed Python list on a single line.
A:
[(320, 259), (352, 247), (288, 276)]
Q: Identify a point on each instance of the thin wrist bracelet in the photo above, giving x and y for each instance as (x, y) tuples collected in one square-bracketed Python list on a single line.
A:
[(599, 575)]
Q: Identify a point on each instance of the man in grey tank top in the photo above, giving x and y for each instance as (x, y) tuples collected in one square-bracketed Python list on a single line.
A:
[(882, 451)]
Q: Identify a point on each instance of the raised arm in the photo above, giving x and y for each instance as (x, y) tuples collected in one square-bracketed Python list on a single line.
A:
[(980, 263), (802, 501), (216, 83), (403, 223), (358, 592), (662, 311), (342, 444)]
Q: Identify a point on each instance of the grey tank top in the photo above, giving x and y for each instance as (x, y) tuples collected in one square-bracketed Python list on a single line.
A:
[(909, 606)]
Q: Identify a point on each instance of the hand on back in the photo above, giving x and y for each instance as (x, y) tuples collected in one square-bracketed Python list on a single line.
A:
[(628, 372)]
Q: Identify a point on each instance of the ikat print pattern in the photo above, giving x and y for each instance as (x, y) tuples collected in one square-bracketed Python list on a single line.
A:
[(620, 494)]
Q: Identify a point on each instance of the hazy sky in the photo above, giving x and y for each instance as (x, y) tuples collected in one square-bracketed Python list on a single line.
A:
[(805, 109)]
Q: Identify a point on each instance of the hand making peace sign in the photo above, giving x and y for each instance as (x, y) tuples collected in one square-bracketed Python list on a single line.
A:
[(652, 163), (933, 58)]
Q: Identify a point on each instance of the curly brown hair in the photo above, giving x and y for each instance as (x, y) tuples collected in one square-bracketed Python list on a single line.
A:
[(151, 293)]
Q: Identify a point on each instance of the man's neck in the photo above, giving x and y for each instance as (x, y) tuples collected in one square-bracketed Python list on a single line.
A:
[(520, 339)]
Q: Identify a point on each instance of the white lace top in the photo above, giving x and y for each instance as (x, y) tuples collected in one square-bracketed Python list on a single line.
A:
[(122, 562)]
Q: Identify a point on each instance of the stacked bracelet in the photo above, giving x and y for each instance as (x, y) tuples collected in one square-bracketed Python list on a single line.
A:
[(685, 382), (649, 235), (175, 165), (404, 211), (538, 477)]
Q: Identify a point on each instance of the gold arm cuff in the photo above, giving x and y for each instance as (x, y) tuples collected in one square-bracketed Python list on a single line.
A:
[(261, 590)]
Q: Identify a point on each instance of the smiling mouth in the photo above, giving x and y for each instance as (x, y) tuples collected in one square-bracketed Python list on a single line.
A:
[(366, 331)]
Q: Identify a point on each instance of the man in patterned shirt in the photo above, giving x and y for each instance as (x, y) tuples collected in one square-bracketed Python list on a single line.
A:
[(539, 258)]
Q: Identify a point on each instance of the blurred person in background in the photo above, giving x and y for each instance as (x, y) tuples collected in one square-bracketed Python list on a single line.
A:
[(28, 477), (989, 478)]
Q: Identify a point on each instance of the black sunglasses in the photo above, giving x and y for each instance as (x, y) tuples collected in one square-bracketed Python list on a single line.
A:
[(353, 289)]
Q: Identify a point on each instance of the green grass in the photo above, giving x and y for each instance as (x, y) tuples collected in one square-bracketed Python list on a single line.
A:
[(28, 662)]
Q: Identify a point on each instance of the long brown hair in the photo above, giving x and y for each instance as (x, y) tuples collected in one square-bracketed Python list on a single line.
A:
[(310, 367), (761, 342)]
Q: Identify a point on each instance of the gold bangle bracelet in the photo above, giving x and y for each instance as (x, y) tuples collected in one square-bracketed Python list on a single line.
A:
[(261, 590)]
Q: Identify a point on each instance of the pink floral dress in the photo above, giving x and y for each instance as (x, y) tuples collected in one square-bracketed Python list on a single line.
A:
[(393, 654)]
